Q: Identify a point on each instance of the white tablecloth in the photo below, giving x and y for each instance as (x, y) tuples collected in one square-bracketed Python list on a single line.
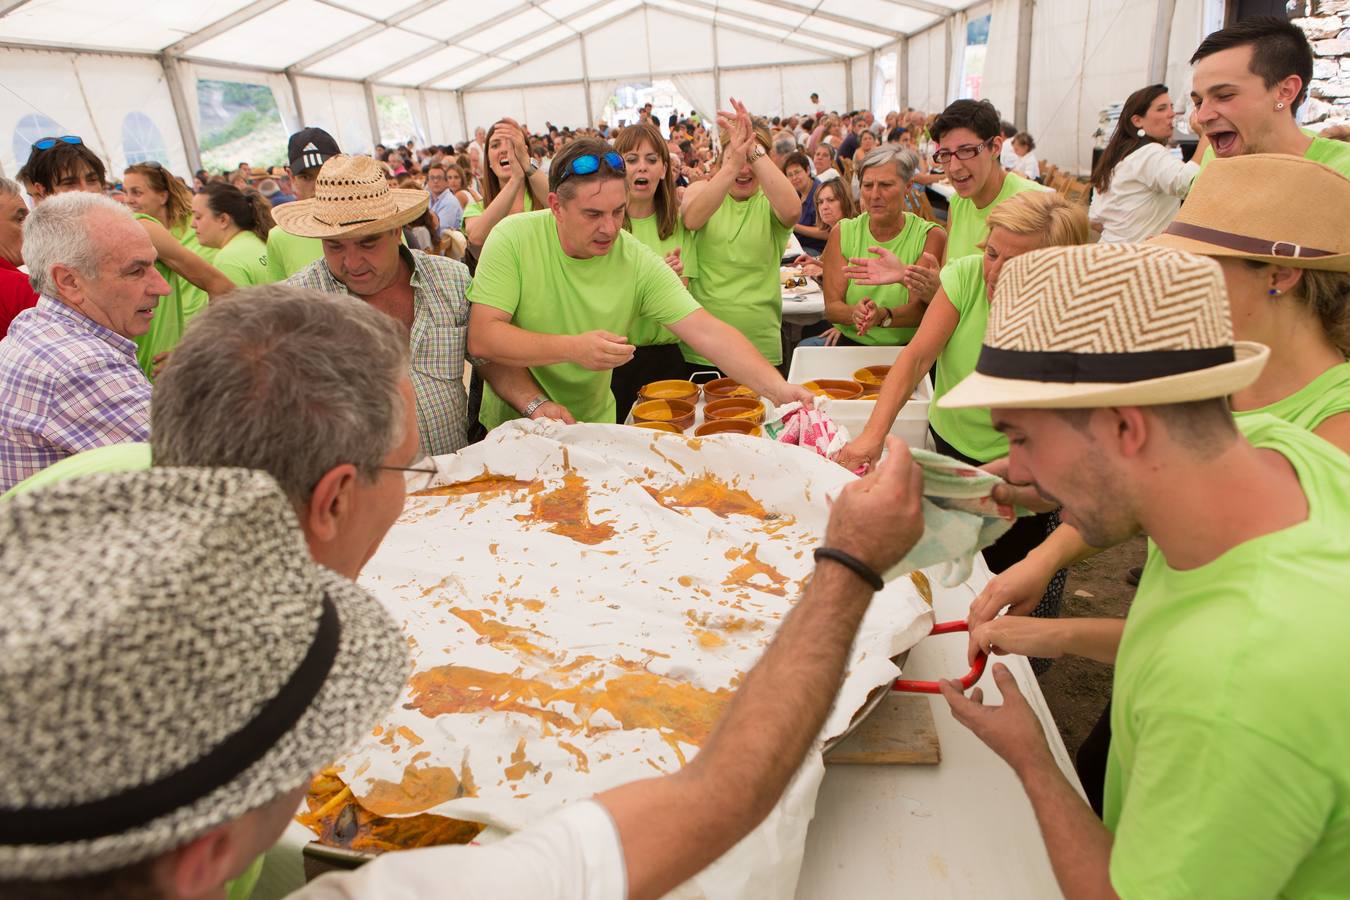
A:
[(804, 309), (943, 188), (961, 829)]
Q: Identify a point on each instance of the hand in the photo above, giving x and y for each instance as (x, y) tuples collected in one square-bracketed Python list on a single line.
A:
[(884, 268), (1019, 587), (1023, 495), (791, 393), (601, 350), (809, 265), (859, 453), (1022, 635), (553, 410), (879, 517), (832, 337), (157, 364), (1011, 730), (522, 150), (867, 315), (673, 260), (922, 278)]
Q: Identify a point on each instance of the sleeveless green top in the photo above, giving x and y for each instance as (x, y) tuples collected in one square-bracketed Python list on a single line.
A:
[(1325, 396), (177, 307), (855, 237)]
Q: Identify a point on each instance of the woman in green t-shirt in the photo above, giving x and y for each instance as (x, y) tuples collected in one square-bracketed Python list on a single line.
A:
[(654, 219), (511, 184), (163, 206), (236, 223), (741, 219), (882, 315)]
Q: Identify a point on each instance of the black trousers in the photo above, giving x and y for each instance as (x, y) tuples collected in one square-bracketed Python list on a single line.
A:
[(1090, 761), (655, 362), (1026, 534)]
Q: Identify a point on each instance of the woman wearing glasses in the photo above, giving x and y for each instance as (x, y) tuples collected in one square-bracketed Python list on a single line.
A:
[(969, 140), (1138, 185), (654, 219), (882, 315), (742, 218)]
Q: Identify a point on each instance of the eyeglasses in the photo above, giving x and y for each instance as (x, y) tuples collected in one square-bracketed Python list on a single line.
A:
[(419, 476), (969, 151), (50, 142), (589, 164)]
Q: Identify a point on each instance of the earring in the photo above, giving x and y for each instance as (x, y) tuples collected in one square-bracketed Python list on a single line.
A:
[(1280, 105), (1273, 292), (1140, 132)]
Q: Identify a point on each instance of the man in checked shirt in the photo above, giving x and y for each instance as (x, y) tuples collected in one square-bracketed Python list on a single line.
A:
[(68, 374)]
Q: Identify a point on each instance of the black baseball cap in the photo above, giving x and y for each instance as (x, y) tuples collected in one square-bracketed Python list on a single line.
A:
[(310, 147)]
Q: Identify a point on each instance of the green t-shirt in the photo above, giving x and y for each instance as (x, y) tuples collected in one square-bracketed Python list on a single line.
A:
[(739, 252), (967, 224), (1325, 396), (289, 253), (244, 260), (855, 237), (969, 430), (1335, 154), (476, 207), (177, 307), (645, 332), (130, 457), (1228, 772), (524, 271)]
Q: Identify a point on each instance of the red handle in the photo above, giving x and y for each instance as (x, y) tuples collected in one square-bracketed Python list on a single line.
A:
[(931, 687)]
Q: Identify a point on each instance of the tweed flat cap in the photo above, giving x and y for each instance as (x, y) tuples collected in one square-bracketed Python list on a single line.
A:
[(170, 658)]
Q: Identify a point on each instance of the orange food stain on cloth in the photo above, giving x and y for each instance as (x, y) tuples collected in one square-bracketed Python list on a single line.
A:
[(709, 640), (583, 764), (498, 633), (520, 766), (752, 567), (487, 483), (566, 508), (921, 584), (420, 789), (711, 493)]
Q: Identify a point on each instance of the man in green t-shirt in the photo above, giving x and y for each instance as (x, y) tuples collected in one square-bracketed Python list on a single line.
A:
[(1247, 84), (1108, 368), (556, 290), (288, 253), (969, 141)]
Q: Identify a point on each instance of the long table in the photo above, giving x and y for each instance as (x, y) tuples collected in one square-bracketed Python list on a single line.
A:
[(961, 829)]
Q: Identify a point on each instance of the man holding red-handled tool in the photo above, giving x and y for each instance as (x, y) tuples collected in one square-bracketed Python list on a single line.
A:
[(1108, 367)]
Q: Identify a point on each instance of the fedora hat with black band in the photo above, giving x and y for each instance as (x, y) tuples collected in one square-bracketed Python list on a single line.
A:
[(1108, 325), (150, 697), (1267, 207), (352, 198)]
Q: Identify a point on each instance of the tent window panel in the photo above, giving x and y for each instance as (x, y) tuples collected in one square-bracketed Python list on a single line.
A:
[(142, 140), (972, 66), (396, 120), (239, 123)]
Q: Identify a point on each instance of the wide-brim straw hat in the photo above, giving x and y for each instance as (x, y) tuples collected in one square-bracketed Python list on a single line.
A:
[(152, 694), (352, 198), (1108, 325), (1268, 207)]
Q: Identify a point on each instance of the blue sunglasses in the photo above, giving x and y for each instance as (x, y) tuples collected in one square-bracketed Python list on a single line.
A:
[(49, 143), (590, 164)]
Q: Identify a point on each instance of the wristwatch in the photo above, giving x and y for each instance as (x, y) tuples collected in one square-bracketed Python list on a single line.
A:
[(886, 322), (534, 405)]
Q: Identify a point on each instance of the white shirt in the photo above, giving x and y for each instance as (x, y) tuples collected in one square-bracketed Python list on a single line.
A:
[(574, 853), (1008, 157), (1146, 191), (1027, 166)]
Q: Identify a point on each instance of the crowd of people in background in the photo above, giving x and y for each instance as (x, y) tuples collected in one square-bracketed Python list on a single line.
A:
[(563, 268)]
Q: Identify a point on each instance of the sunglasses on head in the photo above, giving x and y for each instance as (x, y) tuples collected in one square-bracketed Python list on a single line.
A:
[(50, 142), (589, 164)]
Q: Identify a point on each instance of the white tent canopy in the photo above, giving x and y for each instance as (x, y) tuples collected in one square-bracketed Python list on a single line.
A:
[(124, 76)]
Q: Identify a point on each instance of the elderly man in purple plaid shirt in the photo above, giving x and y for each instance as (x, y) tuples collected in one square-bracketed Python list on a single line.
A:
[(68, 374)]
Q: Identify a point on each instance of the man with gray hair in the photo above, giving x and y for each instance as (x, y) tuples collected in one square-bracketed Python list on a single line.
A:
[(68, 374), (16, 294)]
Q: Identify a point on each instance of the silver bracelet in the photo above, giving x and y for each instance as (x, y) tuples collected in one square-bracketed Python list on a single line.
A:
[(534, 405)]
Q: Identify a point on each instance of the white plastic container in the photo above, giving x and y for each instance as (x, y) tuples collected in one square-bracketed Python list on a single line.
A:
[(809, 363)]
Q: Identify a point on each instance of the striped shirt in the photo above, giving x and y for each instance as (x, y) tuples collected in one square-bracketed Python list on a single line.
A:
[(439, 343), (66, 384)]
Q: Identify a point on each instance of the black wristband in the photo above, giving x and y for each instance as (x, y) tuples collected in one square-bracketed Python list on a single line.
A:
[(860, 568)]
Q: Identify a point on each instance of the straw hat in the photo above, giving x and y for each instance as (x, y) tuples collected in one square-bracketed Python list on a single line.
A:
[(1270, 207), (352, 198), (150, 697), (1108, 325)]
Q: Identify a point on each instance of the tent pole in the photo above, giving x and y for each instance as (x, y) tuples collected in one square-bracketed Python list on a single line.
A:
[(295, 97), (374, 113), (463, 117), (717, 74), (1022, 81), (871, 80), (848, 83), (186, 131), (950, 23), (902, 75), (586, 82), (1162, 30)]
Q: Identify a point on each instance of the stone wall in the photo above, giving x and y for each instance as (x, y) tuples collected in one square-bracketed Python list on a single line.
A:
[(1327, 24)]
